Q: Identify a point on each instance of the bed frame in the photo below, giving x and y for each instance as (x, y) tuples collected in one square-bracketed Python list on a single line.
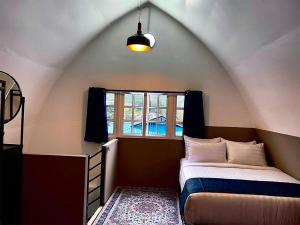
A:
[(241, 209)]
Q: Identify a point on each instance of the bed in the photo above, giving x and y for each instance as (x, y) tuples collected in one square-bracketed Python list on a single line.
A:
[(229, 194)]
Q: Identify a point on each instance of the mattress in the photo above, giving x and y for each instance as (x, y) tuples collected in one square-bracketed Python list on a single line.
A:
[(230, 208), (231, 171)]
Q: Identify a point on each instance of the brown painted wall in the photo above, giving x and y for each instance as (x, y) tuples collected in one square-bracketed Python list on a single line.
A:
[(155, 162), (53, 186), (53, 189), (232, 133), (283, 150), (149, 162)]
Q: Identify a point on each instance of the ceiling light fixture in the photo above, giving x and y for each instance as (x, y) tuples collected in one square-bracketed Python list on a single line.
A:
[(139, 42)]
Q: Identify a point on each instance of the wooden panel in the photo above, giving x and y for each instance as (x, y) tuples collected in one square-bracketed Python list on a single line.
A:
[(283, 150), (155, 162), (232, 133), (53, 189), (111, 167), (149, 162)]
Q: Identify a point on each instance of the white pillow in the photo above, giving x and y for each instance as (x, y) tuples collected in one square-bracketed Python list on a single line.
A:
[(201, 140), (188, 140), (246, 154), (206, 152)]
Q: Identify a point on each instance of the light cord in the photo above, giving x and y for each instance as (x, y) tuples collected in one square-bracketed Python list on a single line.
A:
[(149, 17), (139, 10)]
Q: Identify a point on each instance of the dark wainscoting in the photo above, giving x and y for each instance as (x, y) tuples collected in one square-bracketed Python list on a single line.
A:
[(232, 133), (155, 162), (149, 162), (53, 189), (283, 150)]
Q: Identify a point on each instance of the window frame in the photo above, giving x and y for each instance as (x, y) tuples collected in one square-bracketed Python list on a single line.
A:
[(158, 107), (170, 115), (114, 114), (133, 107), (178, 108)]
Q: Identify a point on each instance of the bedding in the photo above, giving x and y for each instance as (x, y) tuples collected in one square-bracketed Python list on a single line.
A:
[(202, 140), (253, 154), (206, 152), (237, 192), (231, 171), (189, 142), (232, 186)]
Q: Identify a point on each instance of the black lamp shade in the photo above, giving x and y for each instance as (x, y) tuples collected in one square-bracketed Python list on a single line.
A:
[(138, 42)]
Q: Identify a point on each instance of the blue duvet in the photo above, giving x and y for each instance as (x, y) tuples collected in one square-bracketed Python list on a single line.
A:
[(217, 185)]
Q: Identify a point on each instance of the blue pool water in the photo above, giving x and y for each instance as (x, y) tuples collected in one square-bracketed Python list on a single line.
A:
[(151, 129)]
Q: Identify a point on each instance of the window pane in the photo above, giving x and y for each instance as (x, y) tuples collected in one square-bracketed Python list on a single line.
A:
[(152, 115), (152, 100), (110, 99), (128, 100), (138, 114), (151, 128), (128, 114), (162, 115), (162, 101), (110, 112), (138, 100), (138, 128), (133, 113), (157, 114), (110, 109), (179, 115), (127, 128), (110, 127), (179, 129), (180, 101), (162, 129)]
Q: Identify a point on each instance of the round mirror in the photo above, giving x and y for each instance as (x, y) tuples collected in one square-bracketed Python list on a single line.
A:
[(11, 93)]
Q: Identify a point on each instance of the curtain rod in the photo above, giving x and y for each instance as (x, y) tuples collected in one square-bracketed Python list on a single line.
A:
[(168, 92)]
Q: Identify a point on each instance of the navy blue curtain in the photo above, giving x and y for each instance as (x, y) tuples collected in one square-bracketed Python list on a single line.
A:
[(193, 118), (96, 120)]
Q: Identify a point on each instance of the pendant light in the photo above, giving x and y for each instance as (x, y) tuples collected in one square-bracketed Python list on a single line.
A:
[(139, 42)]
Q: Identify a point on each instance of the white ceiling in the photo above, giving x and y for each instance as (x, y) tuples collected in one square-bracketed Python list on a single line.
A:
[(257, 41)]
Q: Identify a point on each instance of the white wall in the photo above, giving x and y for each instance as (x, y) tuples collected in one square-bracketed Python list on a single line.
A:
[(258, 42), (179, 62), (36, 81), (270, 82)]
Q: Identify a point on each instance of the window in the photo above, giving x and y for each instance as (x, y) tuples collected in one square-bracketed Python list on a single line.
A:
[(145, 114), (156, 114), (133, 113), (110, 108), (179, 115)]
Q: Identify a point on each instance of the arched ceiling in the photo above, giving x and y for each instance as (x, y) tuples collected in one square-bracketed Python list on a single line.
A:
[(257, 41)]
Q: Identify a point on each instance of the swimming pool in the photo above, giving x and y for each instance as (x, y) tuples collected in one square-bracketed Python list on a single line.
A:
[(151, 129)]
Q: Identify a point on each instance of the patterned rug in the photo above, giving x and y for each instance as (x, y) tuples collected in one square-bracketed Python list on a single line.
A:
[(140, 206)]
